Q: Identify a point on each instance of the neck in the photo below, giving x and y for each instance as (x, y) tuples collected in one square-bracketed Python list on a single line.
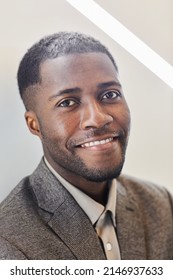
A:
[(96, 190)]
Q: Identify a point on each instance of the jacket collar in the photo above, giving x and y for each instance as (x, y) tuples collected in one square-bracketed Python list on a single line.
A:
[(61, 212), (130, 228)]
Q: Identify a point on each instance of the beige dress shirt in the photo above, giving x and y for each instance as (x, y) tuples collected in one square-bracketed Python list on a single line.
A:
[(102, 218)]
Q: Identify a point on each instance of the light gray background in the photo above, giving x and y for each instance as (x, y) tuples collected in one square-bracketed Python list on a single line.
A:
[(150, 150)]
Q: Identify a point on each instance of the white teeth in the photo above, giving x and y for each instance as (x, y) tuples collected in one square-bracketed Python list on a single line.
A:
[(96, 143)]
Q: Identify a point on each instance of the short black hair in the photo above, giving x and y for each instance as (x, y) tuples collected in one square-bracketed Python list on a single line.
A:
[(50, 47)]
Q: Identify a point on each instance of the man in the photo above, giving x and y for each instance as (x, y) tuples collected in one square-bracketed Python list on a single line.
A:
[(75, 205)]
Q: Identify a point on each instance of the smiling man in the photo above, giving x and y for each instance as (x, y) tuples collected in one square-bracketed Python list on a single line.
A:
[(76, 205)]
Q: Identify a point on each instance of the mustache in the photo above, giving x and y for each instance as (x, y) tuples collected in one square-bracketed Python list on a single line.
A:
[(72, 143)]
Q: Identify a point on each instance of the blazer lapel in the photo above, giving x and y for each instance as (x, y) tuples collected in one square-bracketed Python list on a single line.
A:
[(73, 226), (130, 231), (64, 215)]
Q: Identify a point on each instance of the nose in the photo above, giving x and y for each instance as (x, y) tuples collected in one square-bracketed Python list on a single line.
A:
[(94, 115)]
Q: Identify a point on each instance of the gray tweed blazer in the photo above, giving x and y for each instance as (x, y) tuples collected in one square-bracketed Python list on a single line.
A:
[(41, 220)]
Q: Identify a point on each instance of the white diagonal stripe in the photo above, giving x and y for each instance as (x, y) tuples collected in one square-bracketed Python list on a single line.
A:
[(125, 38)]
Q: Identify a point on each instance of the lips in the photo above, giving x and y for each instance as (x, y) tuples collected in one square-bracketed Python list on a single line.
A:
[(99, 142), (96, 143)]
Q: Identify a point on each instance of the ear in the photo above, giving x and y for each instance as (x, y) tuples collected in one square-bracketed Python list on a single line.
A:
[(32, 123)]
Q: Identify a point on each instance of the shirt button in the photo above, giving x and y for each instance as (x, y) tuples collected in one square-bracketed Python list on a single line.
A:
[(109, 246)]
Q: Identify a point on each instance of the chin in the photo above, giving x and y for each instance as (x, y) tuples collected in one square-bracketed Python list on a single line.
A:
[(98, 175)]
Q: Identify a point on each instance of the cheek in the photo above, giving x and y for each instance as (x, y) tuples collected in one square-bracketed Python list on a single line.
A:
[(126, 118), (66, 126), (123, 117), (59, 128)]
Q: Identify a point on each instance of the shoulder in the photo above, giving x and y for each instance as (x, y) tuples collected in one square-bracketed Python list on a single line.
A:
[(16, 197), (144, 191), (13, 213), (16, 209), (23, 193)]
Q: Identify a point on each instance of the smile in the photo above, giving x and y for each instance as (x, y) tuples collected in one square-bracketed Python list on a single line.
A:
[(96, 143)]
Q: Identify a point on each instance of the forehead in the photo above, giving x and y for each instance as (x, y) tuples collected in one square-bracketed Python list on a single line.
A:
[(77, 68)]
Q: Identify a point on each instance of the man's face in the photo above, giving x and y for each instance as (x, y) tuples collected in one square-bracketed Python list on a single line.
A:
[(83, 117)]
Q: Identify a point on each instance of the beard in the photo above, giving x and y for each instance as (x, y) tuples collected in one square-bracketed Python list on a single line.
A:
[(77, 166), (71, 162), (100, 175)]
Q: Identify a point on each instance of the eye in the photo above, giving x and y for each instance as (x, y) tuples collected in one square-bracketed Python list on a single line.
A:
[(112, 94), (66, 103)]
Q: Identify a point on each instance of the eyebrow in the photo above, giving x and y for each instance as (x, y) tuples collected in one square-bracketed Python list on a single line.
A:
[(78, 90), (108, 84), (65, 91)]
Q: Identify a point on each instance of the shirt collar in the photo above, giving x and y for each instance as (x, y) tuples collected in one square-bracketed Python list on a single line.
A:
[(92, 208)]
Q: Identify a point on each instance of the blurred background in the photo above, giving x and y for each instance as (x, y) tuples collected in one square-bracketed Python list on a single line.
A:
[(150, 149)]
